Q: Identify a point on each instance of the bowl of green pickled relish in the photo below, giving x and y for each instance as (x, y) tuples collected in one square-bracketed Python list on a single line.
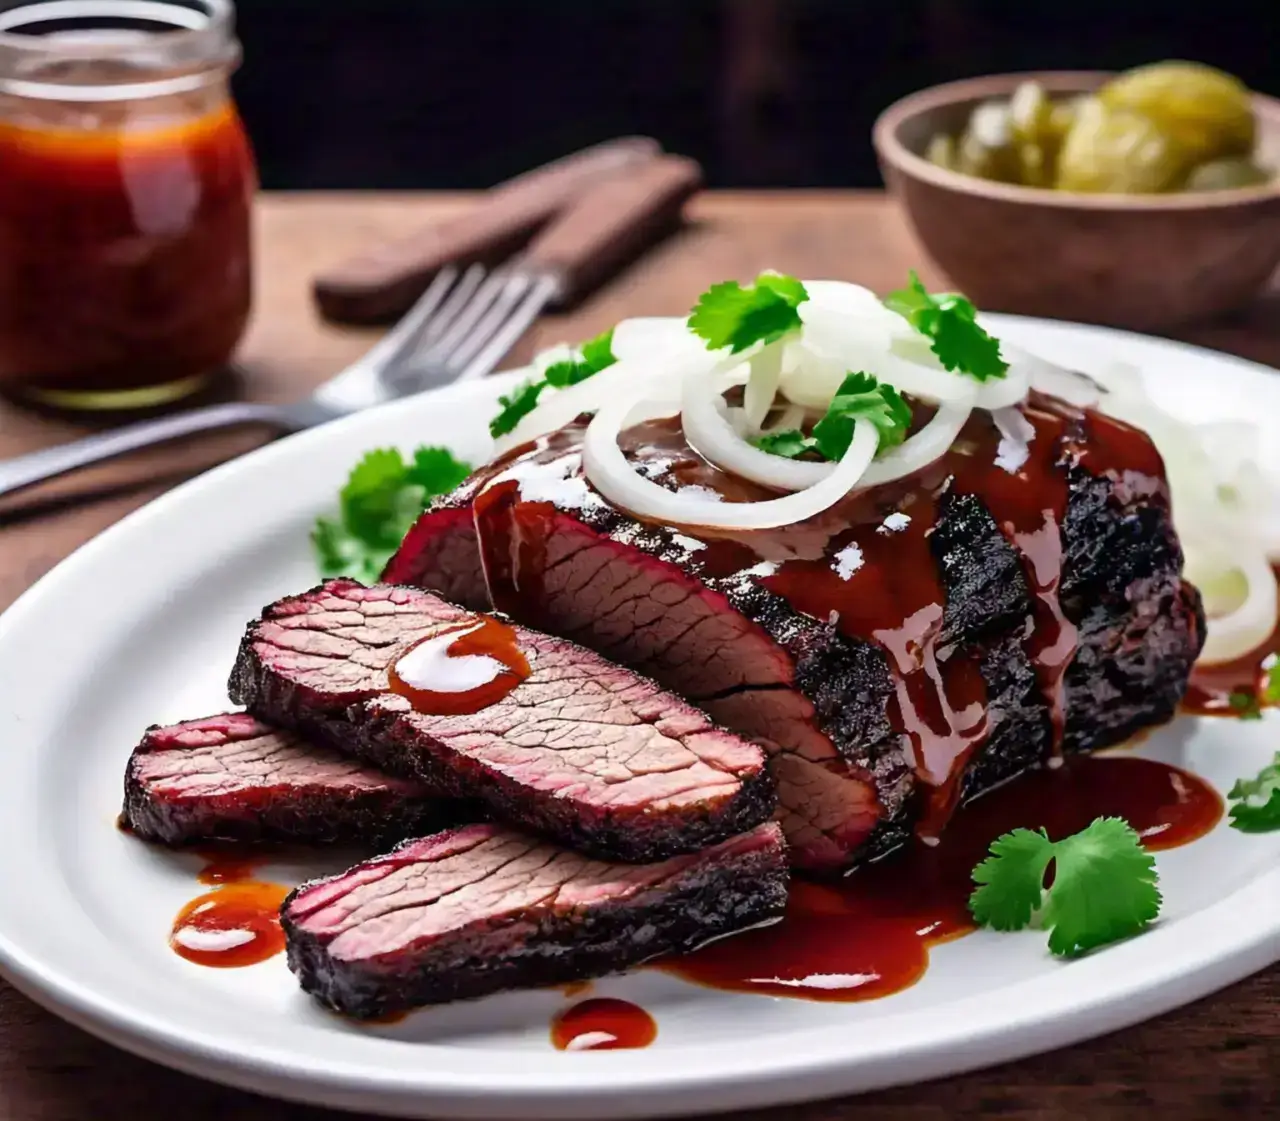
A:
[(1148, 199)]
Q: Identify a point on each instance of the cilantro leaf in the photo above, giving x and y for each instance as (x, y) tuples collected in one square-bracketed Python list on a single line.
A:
[(569, 372), (790, 444), (1011, 880), (1256, 800), (1244, 703), (379, 502), (861, 397), (373, 498), (1104, 885), (522, 401), (730, 315), (1104, 888), (598, 352), (950, 321), (338, 553), (436, 470), (596, 355)]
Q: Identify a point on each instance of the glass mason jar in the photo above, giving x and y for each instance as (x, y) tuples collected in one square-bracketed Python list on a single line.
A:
[(126, 183)]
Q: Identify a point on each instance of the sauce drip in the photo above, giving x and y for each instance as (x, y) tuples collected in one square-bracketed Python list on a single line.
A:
[(869, 936), (234, 925), (603, 1024), (461, 669), (870, 566), (229, 864)]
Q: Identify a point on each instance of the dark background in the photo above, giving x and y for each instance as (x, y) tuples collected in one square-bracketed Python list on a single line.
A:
[(462, 93)]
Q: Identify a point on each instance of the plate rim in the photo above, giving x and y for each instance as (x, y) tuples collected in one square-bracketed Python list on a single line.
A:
[(1243, 946)]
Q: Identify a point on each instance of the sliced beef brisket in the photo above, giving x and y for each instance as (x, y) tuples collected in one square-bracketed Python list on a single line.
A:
[(231, 777), (907, 649), (482, 909), (587, 752)]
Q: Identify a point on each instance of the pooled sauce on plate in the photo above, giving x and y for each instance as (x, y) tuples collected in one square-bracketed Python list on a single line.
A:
[(461, 669), (869, 936), (234, 925), (603, 1024), (869, 566)]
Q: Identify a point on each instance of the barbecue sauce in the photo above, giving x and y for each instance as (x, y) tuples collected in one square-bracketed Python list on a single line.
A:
[(869, 935), (461, 669), (229, 864), (234, 925), (125, 265), (869, 566), (603, 1024)]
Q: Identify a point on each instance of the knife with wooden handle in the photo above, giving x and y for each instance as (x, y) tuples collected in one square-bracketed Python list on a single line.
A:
[(382, 282), (603, 229), (611, 223)]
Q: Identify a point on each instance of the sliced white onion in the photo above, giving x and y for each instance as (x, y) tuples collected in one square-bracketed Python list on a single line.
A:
[(1001, 393), (1016, 435), (614, 477), (655, 338), (712, 433), (660, 380), (1250, 624), (791, 418), (762, 386), (930, 443), (1075, 388)]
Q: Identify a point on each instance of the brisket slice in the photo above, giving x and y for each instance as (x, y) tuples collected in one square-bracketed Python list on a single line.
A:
[(482, 909), (233, 778), (742, 625), (584, 751)]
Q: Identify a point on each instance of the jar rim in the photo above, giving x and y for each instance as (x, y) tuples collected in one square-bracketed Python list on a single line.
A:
[(194, 36)]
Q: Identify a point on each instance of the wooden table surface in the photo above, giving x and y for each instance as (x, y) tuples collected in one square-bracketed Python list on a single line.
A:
[(1218, 1058)]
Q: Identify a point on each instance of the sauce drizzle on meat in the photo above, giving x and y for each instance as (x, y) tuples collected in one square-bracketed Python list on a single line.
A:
[(871, 566), (462, 669)]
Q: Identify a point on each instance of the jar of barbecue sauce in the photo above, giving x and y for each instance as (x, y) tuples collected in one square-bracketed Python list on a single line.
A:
[(126, 183)]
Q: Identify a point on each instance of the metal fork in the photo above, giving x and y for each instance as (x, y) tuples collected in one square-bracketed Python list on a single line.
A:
[(459, 328)]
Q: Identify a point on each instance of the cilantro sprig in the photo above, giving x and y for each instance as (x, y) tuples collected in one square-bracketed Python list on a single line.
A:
[(593, 356), (950, 321), (1256, 801), (382, 497), (736, 316), (1105, 885), (860, 397)]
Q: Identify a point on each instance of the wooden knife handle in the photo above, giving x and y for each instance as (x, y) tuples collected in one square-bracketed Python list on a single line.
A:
[(611, 223), (382, 282)]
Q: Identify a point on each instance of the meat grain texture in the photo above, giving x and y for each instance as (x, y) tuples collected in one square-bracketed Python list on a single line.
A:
[(233, 778), (483, 909), (582, 751)]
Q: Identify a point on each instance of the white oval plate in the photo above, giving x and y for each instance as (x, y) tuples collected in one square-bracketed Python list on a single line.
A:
[(141, 626)]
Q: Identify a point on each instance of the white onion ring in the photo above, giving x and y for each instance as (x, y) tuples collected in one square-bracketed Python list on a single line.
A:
[(1245, 629), (617, 480), (932, 442), (1075, 388), (712, 433), (655, 339)]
